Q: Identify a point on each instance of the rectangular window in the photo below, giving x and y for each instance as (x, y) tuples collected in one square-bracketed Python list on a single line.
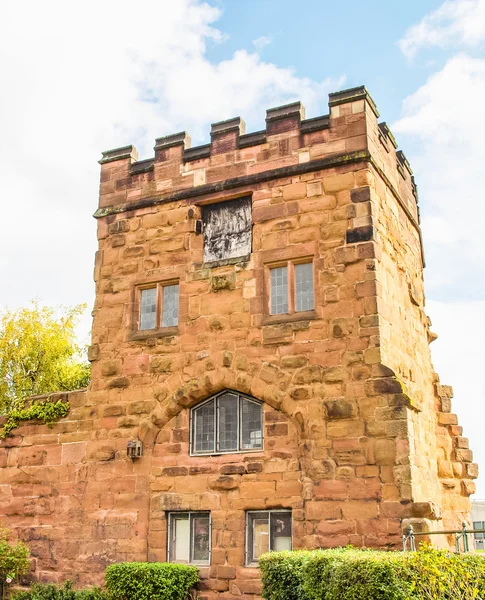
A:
[(158, 306), (204, 421), (266, 531), (228, 420), (189, 537), (148, 308), (304, 287), (279, 290), (227, 230), (291, 288), (170, 304), (479, 525)]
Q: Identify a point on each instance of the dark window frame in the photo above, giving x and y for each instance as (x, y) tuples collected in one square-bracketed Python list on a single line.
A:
[(172, 516), (250, 561)]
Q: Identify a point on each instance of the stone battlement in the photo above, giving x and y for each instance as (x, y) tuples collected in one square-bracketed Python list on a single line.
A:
[(290, 145)]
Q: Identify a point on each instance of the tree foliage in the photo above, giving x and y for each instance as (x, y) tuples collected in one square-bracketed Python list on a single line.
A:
[(39, 354), (14, 558)]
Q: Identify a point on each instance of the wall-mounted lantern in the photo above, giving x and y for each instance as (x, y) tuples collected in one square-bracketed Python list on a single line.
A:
[(134, 449)]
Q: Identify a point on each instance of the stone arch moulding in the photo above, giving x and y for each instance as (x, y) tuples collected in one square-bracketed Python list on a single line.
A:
[(175, 396)]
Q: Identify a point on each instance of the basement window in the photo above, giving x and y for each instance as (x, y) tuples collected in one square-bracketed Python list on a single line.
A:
[(266, 531), (189, 538), (291, 288), (227, 423), (227, 229), (158, 306)]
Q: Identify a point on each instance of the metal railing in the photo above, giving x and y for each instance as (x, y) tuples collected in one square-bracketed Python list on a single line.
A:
[(460, 535)]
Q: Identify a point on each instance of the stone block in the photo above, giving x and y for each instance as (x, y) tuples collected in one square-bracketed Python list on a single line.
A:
[(463, 455), (447, 419), (338, 409), (385, 452), (357, 509), (295, 191)]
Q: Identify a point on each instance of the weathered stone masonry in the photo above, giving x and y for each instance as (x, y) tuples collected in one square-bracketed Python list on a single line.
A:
[(359, 434)]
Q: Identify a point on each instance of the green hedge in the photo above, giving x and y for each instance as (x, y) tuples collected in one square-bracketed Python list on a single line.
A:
[(150, 581), (125, 581), (351, 574), (50, 591)]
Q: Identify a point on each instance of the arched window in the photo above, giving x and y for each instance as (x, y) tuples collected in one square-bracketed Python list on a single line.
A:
[(227, 422)]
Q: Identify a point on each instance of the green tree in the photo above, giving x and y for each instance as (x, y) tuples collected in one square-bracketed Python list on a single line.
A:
[(39, 353), (14, 558)]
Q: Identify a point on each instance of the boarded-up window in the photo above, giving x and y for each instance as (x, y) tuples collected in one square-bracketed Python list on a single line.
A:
[(227, 230)]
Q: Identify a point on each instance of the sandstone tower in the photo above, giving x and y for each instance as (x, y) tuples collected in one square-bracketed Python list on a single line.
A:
[(260, 337)]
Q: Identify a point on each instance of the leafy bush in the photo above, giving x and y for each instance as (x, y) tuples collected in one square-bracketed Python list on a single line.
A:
[(351, 574), (14, 558), (150, 581), (50, 591), (359, 575), (282, 574), (445, 576)]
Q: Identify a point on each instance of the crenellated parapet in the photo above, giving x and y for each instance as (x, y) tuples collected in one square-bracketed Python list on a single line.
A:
[(290, 145)]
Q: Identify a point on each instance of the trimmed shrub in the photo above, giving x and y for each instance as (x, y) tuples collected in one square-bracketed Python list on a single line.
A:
[(282, 574), (150, 581), (358, 575), (351, 574)]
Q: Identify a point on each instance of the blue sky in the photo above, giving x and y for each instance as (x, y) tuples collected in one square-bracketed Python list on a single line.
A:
[(81, 78), (321, 39)]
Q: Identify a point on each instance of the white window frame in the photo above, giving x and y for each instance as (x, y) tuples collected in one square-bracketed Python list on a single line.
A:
[(217, 452), (248, 559), (171, 516)]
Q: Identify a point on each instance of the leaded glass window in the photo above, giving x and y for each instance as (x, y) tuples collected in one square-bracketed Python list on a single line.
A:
[(228, 422), (170, 306), (304, 287), (158, 306), (148, 308), (291, 288), (279, 290)]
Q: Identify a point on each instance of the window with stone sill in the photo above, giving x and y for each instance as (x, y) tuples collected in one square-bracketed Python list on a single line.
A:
[(266, 531), (226, 423), (189, 538), (157, 306), (291, 288)]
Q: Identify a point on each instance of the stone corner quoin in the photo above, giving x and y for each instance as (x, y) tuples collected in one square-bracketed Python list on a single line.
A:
[(281, 272)]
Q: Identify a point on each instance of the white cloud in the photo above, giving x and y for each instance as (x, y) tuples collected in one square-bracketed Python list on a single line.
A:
[(81, 78), (445, 117), (261, 42), (458, 358), (454, 22), (444, 120)]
